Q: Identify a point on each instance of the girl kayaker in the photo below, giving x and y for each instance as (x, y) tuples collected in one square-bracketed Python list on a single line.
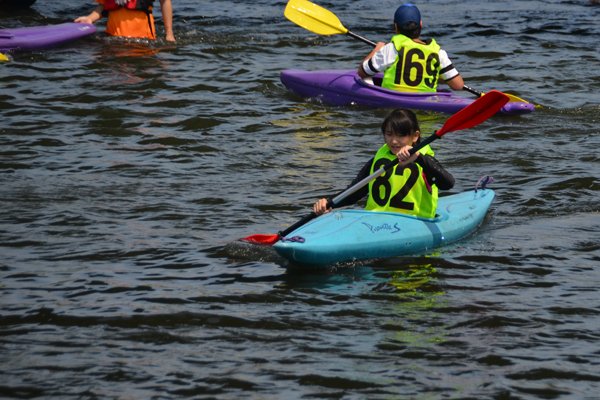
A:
[(412, 186)]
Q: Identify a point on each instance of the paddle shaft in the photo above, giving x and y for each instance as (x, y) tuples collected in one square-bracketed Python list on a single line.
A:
[(471, 90), (331, 203), (362, 39)]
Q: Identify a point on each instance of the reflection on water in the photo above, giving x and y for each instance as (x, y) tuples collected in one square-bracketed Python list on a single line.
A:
[(416, 293)]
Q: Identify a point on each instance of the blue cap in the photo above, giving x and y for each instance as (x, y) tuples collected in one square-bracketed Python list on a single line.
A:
[(407, 13)]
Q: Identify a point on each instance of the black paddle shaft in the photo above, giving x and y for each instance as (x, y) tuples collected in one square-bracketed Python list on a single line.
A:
[(331, 203), (362, 39), (471, 90)]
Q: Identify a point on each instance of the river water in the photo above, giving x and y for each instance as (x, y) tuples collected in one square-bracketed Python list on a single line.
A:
[(129, 169)]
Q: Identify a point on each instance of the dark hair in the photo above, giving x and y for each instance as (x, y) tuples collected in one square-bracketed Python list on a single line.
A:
[(411, 30), (401, 121)]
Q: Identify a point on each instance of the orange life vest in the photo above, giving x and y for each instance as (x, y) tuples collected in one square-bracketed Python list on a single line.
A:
[(125, 20)]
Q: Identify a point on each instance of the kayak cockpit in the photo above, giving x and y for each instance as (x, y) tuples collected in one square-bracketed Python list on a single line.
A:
[(374, 82)]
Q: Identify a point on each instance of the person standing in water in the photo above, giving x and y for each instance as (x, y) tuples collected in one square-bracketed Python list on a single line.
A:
[(131, 18)]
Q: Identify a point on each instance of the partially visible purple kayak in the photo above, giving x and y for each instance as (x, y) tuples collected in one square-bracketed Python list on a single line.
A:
[(41, 37), (342, 87)]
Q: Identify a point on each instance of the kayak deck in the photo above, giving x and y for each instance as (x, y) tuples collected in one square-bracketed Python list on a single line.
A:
[(41, 37), (347, 235), (344, 87)]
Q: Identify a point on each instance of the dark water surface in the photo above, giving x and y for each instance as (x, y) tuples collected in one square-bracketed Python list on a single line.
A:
[(128, 170)]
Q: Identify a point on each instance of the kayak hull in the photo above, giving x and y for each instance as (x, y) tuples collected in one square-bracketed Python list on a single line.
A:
[(42, 37), (348, 235), (343, 87)]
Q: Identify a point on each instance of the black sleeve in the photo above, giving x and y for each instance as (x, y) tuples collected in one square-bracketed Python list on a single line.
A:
[(435, 173), (360, 193)]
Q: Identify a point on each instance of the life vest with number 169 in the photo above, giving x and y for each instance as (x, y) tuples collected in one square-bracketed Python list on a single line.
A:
[(416, 67)]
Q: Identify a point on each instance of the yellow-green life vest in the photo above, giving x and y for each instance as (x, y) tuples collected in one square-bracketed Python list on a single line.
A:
[(416, 68), (403, 189)]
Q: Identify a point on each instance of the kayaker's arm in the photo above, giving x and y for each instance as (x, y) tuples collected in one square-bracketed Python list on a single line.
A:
[(93, 17), (361, 71), (319, 207), (455, 83), (448, 73), (435, 173)]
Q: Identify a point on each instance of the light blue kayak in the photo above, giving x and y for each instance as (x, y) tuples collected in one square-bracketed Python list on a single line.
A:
[(347, 235)]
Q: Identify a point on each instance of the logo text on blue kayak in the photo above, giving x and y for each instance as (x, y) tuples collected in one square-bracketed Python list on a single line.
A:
[(386, 227)]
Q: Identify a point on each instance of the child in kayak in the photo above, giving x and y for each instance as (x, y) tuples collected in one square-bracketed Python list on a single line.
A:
[(131, 18), (408, 63), (411, 187)]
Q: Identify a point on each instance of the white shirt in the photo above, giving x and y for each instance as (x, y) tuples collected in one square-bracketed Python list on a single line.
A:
[(386, 57)]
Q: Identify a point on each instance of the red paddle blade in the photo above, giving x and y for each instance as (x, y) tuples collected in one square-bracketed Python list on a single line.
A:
[(264, 240), (475, 113)]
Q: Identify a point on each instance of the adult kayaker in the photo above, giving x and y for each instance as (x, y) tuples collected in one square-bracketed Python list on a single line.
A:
[(408, 63), (412, 186), (131, 18)]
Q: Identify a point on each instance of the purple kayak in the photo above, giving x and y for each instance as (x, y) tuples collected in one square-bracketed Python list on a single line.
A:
[(342, 87), (41, 37)]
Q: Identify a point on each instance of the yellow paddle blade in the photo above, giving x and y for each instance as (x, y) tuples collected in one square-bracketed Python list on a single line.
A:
[(3, 57), (516, 99), (313, 18)]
